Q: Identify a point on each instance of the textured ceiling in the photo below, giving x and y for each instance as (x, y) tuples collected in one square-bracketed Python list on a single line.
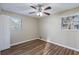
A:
[(24, 8)]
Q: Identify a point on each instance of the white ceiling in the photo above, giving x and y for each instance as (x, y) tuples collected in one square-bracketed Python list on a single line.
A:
[(24, 9)]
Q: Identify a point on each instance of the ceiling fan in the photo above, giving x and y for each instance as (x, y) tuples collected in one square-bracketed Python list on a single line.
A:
[(40, 10)]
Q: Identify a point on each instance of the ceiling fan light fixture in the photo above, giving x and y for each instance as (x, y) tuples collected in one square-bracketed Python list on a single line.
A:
[(39, 14), (40, 10)]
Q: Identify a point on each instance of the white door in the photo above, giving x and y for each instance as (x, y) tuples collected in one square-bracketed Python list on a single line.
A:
[(4, 32)]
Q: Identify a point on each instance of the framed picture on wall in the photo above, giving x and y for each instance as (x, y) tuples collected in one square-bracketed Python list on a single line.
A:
[(70, 23)]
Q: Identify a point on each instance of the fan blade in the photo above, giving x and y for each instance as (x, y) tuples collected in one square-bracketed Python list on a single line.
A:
[(31, 12), (33, 7), (47, 13), (47, 8)]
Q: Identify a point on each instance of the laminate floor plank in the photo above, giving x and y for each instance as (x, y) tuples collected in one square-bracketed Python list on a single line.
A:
[(38, 47)]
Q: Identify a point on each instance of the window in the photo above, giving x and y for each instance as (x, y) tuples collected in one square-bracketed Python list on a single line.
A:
[(15, 23), (70, 22)]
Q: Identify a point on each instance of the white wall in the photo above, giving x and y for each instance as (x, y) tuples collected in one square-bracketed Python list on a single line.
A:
[(29, 29), (4, 32), (50, 29), (0, 7), (0, 10)]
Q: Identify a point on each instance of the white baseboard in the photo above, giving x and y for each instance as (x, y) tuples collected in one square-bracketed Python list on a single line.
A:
[(23, 41), (61, 45), (46, 41)]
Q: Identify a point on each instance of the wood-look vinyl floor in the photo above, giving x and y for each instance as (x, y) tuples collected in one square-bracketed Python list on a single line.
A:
[(38, 47)]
